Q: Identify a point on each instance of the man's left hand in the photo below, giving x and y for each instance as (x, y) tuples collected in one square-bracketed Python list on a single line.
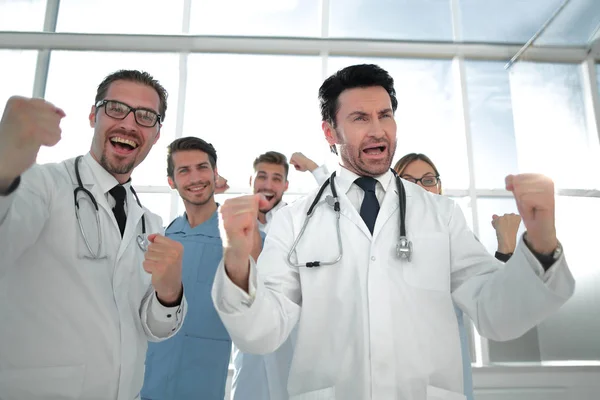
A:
[(163, 260), (221, 185), (534, 194)]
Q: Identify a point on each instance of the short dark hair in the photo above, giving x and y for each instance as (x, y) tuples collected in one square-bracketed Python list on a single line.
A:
[(273, 157), (189, 143), (354, 76), (138, 77)]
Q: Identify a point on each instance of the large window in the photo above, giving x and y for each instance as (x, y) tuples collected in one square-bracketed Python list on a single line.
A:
[(383, 19), (17, 69), (515, 21), (118, 16), (491, 123), (571, 333), (256, 18), (549, 114), (246, 105), (22, 15)]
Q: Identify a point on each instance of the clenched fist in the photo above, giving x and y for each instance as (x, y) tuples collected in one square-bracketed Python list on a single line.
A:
[(163, 261), (534, 195), (506, 227), (302, 163), (26, 125), (221, 185), (238, 226)]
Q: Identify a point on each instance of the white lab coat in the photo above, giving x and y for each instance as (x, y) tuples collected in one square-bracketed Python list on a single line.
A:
[(265, 377), (373, 326), (73, 327)]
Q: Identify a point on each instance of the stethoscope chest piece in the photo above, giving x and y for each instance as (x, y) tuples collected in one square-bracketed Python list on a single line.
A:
[(143, 242), (404, 248)]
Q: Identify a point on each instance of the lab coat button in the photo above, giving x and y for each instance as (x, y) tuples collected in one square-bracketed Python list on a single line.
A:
[(372, 258)]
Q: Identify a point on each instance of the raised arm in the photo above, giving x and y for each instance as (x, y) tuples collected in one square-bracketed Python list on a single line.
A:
[(506, 302), (26, 125), (258, 304)]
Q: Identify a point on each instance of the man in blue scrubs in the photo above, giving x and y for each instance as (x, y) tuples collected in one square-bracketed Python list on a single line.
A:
[(194, 363)]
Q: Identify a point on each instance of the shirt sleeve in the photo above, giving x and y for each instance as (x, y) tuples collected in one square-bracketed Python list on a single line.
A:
[(233, 298), (161, 322), (321, 174)]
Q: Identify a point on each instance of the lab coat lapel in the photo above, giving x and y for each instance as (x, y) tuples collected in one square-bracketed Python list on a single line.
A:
[(389, 206), (88, 182), (347, 210)]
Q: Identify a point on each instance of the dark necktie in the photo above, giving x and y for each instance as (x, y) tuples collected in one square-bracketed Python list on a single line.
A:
[(370, 206), (118, 193)]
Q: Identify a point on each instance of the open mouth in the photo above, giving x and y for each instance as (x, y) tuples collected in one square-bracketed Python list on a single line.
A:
[(268, 196), (375, 150), (123, 145), (196, 188)]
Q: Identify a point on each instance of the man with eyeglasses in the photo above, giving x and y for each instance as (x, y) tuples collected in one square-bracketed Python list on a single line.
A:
[(86, 276)]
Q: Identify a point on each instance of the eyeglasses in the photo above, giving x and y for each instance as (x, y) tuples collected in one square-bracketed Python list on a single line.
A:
[(427, 181), (116, 109)]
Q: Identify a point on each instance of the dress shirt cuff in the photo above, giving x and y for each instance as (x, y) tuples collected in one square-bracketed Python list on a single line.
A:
[(504, 257), (163, 321), (234, 299), (546, 275), (7, 198), (321, 174), (13, 186)]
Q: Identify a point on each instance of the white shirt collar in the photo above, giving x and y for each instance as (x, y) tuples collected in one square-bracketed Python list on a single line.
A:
[(103, 179), (269, 216), (345, 178)]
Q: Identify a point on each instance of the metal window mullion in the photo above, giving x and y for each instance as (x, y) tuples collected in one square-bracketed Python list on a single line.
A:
[(481, 343), (181, 96), (592, 104), (43, 59), (278, 45)]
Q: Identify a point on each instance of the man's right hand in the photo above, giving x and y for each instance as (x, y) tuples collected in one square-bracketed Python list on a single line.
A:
[(302, 163), (506, 227), (238, 226), (26, 125)]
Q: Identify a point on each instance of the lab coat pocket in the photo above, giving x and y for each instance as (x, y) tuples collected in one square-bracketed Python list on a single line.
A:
[(429, 267), (321, 394), (436, 393), (48, 383)]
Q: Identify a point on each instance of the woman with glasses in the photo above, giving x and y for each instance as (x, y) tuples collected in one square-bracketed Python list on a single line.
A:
[(418, 168)]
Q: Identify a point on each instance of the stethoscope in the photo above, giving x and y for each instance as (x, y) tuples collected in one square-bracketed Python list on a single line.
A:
[(404, 246), (142, 239)]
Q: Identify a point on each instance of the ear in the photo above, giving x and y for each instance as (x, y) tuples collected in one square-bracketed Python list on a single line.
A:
[(92, 117), (171, 183), (250, 181), (287, 183), (330, 134), (157, 135), (216, 173)]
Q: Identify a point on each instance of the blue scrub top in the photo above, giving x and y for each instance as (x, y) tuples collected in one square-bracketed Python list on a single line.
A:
[(194, 363)]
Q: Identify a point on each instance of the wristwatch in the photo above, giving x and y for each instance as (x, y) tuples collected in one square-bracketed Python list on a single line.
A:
[(548, 258)]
